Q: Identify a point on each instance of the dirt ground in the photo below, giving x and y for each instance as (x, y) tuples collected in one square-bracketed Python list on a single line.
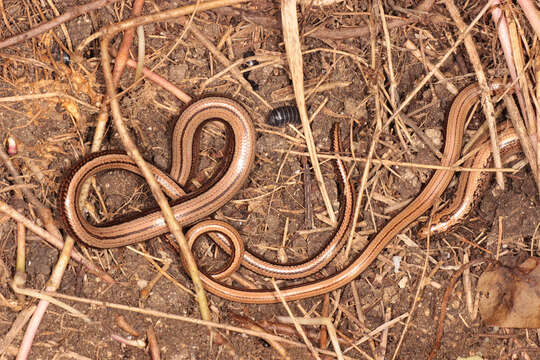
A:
[(51, 136)]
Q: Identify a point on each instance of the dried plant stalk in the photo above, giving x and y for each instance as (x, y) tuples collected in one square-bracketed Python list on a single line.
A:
[(291, 38)]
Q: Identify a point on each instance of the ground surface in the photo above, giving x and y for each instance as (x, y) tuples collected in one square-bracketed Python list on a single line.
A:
[(49, 137)]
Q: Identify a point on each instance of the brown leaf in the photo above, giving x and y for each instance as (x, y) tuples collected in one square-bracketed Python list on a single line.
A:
[(510, 297)]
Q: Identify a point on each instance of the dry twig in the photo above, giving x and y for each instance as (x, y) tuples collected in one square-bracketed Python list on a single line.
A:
[(446, 297), (72, 13), (52, 285), (150, 312), (130, 146), (487, 103), (294, 56)]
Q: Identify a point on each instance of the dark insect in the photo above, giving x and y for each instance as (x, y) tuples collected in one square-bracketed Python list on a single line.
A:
[(65, 58), (108, 136), (253, 84), (283, 115), (60, 55), (92, 50), (265, 343), (249, 64)]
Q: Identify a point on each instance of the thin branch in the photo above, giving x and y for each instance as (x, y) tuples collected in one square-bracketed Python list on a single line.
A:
[(294, 56), (72, 13), (487, 103)]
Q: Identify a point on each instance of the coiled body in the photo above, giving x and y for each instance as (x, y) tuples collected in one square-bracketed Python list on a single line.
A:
[(187, 208), (292, 271)]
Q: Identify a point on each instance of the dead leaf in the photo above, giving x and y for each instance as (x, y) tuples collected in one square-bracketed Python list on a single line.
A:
[(510, 297)]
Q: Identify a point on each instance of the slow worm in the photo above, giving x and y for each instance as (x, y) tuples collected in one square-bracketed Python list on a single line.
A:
[(240, 148), (187, 208)]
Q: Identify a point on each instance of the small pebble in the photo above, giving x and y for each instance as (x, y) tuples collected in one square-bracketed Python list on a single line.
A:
[(435, 135), (403, 282), (11, 146), (141, 284), (397, 262)]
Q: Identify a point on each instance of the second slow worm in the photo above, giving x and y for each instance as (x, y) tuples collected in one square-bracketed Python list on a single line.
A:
[(187, 208), (283, 271)]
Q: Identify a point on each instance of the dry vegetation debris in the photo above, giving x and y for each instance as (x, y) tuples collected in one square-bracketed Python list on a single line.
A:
[(385, 71)]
